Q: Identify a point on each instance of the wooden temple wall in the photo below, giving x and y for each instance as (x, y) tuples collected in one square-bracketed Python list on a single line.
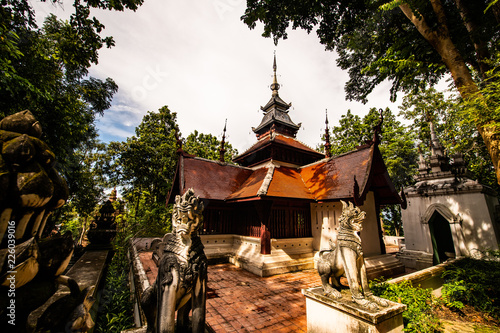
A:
[(290, 222), (285, 221)]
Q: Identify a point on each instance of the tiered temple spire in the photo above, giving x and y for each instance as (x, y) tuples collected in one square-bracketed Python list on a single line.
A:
[(276, 113), (328, 146), (222, 150), (275, 86)]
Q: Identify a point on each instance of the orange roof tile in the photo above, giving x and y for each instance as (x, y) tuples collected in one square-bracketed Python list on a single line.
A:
[(251, 186), (279, 139), (287, 183), (209, 179), (334, 178), (331, 179)]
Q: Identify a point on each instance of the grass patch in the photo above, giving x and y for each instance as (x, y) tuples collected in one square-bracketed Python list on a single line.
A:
[(115, 312), (473, 282)]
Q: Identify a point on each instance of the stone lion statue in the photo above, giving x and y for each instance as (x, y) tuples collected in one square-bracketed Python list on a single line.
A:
[(182, 272), (346, 259)]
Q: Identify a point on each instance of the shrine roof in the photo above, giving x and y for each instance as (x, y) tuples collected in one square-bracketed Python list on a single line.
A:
[(282, 182), (347, 176), (251, 186), (275, 100), (277, 116), (209, 179), (287, 183), (334, 178), (277, 139)]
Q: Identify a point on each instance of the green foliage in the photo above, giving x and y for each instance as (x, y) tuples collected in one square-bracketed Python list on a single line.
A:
[(375, 41), (418, 316), (484, 107), (452, 293), (144, 166), (454, 128), (207, 146), (145, 219), (391, 220), (397, 144), (476, 283), (412, 44), (115, 312), (45, 69), (148, 160), (74, 226), (397, 147)]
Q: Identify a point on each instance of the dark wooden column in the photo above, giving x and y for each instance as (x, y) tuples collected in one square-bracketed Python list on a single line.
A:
[(263, 208)]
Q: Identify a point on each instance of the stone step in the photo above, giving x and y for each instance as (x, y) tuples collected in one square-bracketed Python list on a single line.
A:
[(386, 265), (280, 265)]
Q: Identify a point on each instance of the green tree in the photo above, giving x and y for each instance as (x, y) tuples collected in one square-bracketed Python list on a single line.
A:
[(455, 131), (397, 147), (397, 144), (413, 44), (144, 166), (88, 188), (350, 133), (207, 146), (46, 71)]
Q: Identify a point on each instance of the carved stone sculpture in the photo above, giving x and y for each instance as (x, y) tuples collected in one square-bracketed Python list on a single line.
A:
[(103, 230), (182, 272), (346, 259), (31, 189)]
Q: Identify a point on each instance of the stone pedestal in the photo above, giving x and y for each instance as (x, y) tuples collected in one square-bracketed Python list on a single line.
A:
[(328, 315)]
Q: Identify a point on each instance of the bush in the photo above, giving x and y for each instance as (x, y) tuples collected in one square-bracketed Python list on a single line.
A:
[(418, 316), (475, 283), (115, 312), (452, 293)]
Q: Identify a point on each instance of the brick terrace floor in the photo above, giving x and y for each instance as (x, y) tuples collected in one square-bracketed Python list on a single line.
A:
[(239, 301)]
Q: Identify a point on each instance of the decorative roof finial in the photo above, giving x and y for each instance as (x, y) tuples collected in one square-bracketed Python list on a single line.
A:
[(436, 146), (178, 140), (222, 150), (275, 86), (328, 146), (377, 130)]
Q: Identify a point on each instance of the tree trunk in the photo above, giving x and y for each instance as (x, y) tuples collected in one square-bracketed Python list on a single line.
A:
[(137, 205), (481, 47), (442, 43)]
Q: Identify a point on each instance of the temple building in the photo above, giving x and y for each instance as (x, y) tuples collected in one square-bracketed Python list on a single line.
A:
[(448, 215), (279, 204)]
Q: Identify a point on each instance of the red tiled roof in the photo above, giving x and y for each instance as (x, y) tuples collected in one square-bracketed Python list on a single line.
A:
[(287, 183), (209, 179), (277, 139), (334, 178), (251, 186), (287, 141), (331, 179)]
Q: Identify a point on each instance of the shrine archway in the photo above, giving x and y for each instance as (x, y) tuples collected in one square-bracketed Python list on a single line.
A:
[(443, 246), (445, 231)]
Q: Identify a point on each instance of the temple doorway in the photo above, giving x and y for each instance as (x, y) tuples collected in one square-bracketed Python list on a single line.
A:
[(442, 239)]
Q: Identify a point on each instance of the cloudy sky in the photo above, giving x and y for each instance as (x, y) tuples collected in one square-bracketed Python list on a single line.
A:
[(199, 59)]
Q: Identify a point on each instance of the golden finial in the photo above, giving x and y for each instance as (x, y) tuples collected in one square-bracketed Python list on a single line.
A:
[(222, 150), (328, 145), (275, 86)]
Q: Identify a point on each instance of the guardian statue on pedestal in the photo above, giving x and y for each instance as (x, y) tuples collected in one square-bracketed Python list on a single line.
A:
[(181, 283), (346, 259)]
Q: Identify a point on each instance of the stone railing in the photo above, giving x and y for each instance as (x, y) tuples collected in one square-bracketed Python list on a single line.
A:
[(292, 245), (217, 246), (394, 240), (427, 278)]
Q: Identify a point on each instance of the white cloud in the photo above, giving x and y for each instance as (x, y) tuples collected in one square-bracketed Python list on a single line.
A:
[(198, 58)]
